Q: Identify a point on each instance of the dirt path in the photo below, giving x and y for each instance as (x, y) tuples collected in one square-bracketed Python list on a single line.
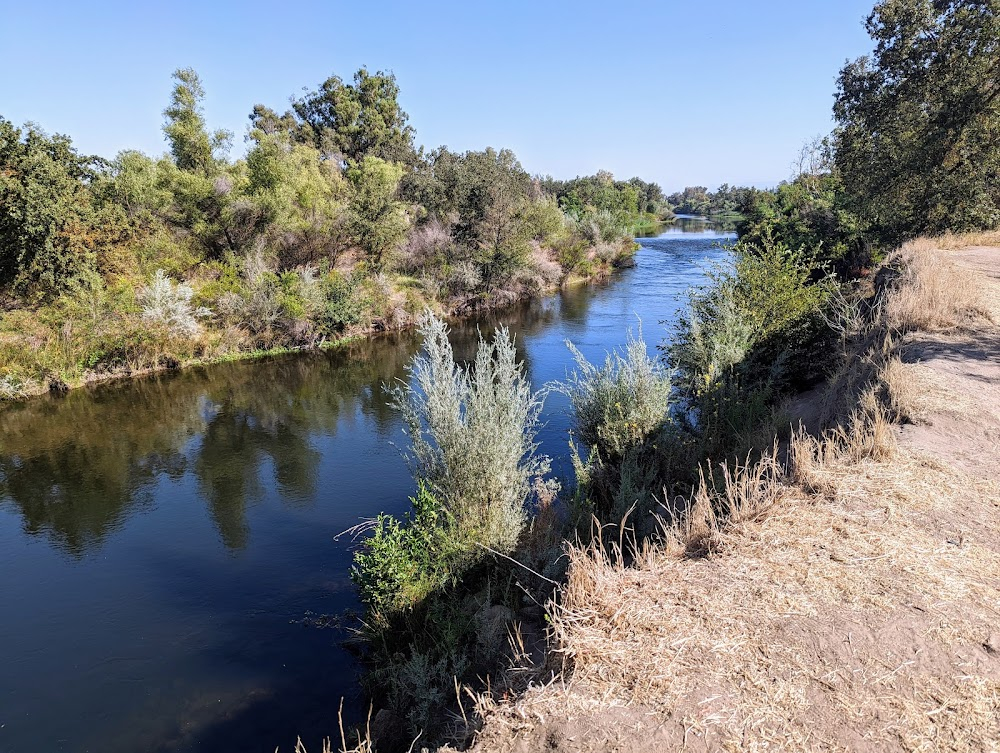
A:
[(861, 612), (959, 420)]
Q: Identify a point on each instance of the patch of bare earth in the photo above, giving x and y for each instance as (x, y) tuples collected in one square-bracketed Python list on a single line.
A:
[(853, 604)]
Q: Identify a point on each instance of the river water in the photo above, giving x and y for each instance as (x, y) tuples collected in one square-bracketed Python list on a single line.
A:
[(167, 552)]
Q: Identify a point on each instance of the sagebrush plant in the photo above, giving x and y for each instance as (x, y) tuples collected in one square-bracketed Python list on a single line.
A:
[(472, 432), (622, 402), (425, 580), (621, 412), (168, 303)]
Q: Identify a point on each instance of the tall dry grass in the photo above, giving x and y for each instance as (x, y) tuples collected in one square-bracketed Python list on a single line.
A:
[(929, 292)]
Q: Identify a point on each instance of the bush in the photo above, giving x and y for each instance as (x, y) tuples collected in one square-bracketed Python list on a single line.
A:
[(403, 562), (621, 412), (169, 304), (431, 601), (472, 432), (342, 307), (755, 332)]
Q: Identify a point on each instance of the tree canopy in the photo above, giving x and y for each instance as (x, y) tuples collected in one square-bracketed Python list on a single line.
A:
[(919, 119)]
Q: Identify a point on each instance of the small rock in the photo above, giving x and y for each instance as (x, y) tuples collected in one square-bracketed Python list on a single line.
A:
[(58, 386)]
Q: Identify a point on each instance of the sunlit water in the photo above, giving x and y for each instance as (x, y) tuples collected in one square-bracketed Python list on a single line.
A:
[(166, 543)]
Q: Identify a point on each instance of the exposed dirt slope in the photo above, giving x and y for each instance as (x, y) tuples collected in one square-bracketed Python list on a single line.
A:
[(852, 605)]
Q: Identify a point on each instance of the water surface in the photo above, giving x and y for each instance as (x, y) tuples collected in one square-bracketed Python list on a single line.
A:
[(166, 544)]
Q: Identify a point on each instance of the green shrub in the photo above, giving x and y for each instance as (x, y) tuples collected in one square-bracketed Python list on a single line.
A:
[(403, 562), (621, 412), (342, 306), (754, 332)]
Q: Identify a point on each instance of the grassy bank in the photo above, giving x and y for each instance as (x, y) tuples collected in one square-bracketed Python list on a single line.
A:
[(65, 345), (834, 591)]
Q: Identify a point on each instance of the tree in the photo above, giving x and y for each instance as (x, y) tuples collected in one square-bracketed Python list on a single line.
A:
[(302, 197), (919, 120), (47, 228), (376, 218), (355, 121), (194, 149)]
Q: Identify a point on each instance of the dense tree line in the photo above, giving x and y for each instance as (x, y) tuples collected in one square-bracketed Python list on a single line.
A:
[(698, 200), (915, 149), (333, 222)]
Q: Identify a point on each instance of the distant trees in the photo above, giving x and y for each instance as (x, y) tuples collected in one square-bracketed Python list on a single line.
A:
[(692, 200), (698, 200), (605, 208), (331, 222), (919, 120)]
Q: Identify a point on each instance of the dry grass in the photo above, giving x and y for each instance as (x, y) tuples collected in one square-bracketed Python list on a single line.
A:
[(847, 601), (954, 241), (930, 293)]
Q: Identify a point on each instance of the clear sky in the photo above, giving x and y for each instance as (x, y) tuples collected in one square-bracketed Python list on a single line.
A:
[(681, 93)]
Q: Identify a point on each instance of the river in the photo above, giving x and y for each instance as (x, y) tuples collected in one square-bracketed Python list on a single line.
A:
[(167, 552)]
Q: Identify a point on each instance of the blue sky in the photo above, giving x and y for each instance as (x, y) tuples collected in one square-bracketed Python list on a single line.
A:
[(680, 93)]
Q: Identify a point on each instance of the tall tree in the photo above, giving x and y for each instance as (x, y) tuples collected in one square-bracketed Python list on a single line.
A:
[(47, 234), (919, 119), (357, 120), (193, 147)]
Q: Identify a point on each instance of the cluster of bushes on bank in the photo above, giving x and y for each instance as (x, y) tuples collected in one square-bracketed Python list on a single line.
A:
[(333, 223)]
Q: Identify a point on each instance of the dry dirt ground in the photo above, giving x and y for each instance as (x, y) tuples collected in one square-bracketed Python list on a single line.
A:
[(858, 609)]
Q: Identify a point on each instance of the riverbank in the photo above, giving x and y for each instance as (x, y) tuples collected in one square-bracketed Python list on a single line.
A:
[(847, 599), (19, 345)]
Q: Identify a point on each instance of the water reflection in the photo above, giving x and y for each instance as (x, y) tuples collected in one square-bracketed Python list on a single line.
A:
[(76, 467)]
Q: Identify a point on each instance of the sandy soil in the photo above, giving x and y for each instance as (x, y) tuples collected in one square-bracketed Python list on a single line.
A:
[(861, 611)]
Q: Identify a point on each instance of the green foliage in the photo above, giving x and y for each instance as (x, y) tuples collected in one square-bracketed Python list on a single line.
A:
[(755, 331), (194, 149), (621, 412), (356, 120), (302, 198), (342, 307), (334, 179), (916, 143), (424, 580), (810, 213), (376, 219), (698, 200), (47, 217), (472, 432), (404, 562), (616, 207)]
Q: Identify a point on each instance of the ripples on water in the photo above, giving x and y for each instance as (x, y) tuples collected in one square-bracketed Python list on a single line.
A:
[(162, 540)]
